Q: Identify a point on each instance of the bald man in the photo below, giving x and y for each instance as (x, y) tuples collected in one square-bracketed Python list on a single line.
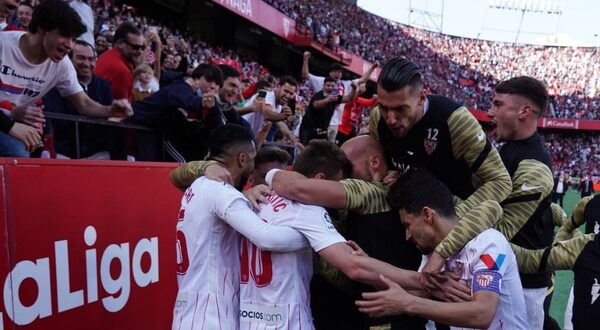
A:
[(370, 221)]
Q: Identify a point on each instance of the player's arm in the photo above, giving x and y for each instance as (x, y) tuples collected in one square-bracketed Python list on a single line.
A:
[(296, 186), (366, 269), (532, 183), (562, 255), (264, 235), (183, 176), (477, 313), (478, 219), (470, 143), (569, 227)]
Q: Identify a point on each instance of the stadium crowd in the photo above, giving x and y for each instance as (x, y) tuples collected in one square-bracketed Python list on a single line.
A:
[(210, 102), (465, 69)]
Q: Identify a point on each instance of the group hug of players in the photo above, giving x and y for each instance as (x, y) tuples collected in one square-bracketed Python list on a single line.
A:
[(422, 219)]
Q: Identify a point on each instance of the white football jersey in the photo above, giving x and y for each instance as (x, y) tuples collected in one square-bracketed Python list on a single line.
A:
[(207, 258), (275, 287), (488, 263)]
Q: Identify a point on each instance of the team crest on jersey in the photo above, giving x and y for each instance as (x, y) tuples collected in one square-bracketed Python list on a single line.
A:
[(484, 280), (327, 220), (430, 142)]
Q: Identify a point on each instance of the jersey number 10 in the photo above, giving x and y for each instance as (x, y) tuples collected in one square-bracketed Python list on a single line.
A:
[(256, 264)]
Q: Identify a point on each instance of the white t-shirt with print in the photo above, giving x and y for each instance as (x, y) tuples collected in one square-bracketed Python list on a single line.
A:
[(22, 83)]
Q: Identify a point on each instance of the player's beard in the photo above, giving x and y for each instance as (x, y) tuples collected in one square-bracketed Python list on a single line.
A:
[(243, 180)]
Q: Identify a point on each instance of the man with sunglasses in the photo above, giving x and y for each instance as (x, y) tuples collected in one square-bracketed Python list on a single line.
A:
[(116, 65)]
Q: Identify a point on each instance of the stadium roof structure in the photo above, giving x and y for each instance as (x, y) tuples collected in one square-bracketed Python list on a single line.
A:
[(538, 22)]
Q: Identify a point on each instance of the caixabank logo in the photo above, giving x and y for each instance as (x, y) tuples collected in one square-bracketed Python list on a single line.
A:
[(53, 276)]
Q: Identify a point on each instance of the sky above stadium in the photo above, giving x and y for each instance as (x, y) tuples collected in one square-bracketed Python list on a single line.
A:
[(577, 25)]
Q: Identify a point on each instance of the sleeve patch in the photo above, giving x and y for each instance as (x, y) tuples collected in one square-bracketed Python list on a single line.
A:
[(487, 280), (327, 219), (491, 263)]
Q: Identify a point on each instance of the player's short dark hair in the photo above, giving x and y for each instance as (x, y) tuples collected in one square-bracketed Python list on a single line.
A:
[(328, 79), (321, 156), (398, 73), (288, 80), (57, 14), (271, 154), (228, 71), (418, 189), (125, 29), (210, 72), (262, 85), (225, 138), (335, 67), (530, 88)]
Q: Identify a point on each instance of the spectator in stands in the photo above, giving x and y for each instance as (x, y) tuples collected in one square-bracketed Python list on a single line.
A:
[(342, 87), (93, 139), (267, 158), (320, 110), (226, 97), (352, 116), (102, 44), (182, 110), (87, 18), (116, 65), (274, 109), (39, 56), (6, 8), (142, 85), (24, 12)]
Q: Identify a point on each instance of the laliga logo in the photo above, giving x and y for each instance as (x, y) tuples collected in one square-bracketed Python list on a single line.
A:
[(243, 6), (39, 271)]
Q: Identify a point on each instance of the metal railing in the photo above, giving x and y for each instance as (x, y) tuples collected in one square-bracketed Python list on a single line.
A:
[(78, 119)]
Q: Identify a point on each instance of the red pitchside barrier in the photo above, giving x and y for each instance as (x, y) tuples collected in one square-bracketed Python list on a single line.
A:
[(86, 245)]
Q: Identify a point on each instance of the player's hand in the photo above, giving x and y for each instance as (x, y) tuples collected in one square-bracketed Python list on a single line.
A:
[(434, 264), (307, 55), (391, 178), (393, 301), (219, 173), (30, 136), (453, 290), (258, 194), (31, 115), (121, 108), (356, 250)]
